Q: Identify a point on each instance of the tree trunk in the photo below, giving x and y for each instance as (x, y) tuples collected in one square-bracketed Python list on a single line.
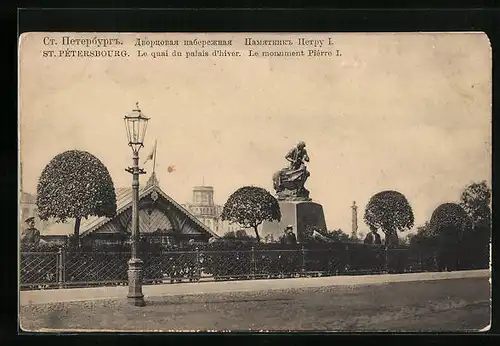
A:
[(256, 234), (77, 232), (391, 238), (395, 239)]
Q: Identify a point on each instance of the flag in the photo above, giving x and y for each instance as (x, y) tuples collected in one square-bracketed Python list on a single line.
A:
[(152, 154)]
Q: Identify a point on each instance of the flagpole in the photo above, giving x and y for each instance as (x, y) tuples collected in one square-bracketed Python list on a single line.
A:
[(154, 158)]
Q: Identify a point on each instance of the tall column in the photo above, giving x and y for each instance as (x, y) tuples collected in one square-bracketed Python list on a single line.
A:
[(354, 208)]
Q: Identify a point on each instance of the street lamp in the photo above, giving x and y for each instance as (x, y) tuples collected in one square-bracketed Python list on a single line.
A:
[(135, 124)]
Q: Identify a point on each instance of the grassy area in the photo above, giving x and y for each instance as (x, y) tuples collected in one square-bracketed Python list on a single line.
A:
[(443, 305)]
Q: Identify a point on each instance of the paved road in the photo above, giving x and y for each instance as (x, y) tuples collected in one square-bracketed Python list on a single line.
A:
[(79, 294), (454, 304)]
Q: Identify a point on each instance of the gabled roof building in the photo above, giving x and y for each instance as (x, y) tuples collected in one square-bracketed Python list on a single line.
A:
[(161, 219)]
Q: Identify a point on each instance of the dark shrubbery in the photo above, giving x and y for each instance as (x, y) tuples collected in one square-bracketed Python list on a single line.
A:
[(42, 247)]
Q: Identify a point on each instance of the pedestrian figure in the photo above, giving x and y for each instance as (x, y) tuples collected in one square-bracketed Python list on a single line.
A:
[(30, 235), (289, 237), (373, 237)]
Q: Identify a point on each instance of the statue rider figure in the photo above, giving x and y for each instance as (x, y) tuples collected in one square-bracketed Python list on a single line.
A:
[(289, 182), (297, 156)]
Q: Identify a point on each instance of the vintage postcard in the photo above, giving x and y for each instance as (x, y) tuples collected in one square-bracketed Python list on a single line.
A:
[(254, 182)]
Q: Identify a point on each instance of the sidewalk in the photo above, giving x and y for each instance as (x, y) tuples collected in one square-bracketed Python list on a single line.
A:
[(119, 292)]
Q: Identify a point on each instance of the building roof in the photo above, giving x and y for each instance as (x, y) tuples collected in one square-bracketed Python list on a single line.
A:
[(123, 199), (123, 202)]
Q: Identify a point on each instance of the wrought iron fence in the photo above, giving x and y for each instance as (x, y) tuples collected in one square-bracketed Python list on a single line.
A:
[(226, 265), (279, 263), (40, 270), (171, 266), (93, 268)]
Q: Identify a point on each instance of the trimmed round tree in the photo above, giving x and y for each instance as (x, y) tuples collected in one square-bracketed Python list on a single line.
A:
[(448, 222), (475, 200), (75, 184), (250, 206), (391, 212)]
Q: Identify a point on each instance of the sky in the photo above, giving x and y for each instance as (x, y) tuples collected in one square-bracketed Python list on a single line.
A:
[(406, 111)]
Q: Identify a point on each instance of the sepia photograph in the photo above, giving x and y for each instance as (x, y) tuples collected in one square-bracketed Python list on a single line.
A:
[(288, 182)]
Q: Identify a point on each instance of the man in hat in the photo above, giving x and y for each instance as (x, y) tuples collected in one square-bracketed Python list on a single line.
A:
[(373, 237), (289, 237), (30, 234)]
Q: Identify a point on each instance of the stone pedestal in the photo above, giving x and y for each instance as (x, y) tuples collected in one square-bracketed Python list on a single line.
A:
[(299, 214), (135, 296)]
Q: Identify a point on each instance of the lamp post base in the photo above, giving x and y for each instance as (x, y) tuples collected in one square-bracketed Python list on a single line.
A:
[(135, 296)]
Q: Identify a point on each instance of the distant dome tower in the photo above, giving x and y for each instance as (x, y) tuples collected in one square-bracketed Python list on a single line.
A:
[(203, 206), (203, 196)]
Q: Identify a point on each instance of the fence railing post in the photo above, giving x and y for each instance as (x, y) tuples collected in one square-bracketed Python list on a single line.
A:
[(252, 269), (303, 268), (60, 267)]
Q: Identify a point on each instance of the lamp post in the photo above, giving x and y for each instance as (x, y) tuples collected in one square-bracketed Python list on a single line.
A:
[(135, 124)]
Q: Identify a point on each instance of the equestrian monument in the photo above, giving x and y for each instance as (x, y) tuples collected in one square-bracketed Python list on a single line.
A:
[(297, 208)]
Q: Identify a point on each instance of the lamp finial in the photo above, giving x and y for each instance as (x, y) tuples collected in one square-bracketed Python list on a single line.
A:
[(137, 105)]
